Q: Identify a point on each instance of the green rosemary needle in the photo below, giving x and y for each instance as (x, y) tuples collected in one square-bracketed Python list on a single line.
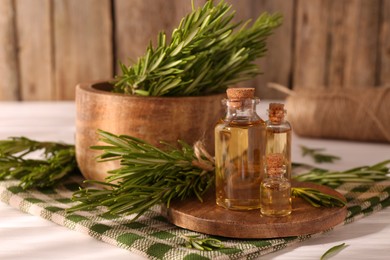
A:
[(148, 176), (57, 161), (332, 251), (203, 244), (317, 155)]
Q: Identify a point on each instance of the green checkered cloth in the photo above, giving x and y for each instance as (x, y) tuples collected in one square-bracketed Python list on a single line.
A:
[(153, 237)]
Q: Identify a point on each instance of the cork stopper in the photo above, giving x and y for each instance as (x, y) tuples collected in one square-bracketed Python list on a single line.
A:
[(274, 164), (236, 94), (276, 112)]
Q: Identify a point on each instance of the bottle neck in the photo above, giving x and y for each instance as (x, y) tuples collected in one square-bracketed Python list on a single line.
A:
[(245, 108), (275, 173)]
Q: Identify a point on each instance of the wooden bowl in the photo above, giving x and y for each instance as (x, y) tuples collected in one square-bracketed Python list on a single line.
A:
[(152, 119)]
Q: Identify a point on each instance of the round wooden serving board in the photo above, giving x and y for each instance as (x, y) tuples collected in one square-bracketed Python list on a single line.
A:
[(208, 218)]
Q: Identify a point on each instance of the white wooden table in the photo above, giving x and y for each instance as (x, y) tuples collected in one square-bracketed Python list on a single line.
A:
[(24, 236)]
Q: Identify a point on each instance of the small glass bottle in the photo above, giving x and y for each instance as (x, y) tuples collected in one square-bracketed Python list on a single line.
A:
[(275, 189), (239, 152), (278, 135)]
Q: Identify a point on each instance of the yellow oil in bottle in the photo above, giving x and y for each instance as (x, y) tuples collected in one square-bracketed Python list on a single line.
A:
[(275, 198), (279, 141), (239, 149)]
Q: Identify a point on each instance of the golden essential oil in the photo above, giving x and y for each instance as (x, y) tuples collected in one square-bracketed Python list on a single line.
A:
[(275, 198), (239, 164)]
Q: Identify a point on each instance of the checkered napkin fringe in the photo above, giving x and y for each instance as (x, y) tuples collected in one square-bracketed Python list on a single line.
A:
[(153, 237)]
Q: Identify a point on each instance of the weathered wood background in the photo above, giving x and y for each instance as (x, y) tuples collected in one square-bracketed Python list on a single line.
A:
[(48, 46)]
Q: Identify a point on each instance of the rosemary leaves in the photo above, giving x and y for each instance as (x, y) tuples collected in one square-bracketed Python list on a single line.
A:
[(363, 174), (333, 250), (317, 155), (203, 244), (148, 176), (57, 161), (204, 55), (317, 198)]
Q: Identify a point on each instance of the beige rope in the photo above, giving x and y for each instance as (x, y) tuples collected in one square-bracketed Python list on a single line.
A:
[(204, 160), (345, 113)]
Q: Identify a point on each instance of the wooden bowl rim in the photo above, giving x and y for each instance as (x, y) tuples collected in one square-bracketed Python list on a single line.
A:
[(102, 88)]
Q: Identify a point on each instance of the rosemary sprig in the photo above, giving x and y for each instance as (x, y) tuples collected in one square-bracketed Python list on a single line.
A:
[(317, 155), (204, 244), (317, 198), (148, 176), (57, 161), (364, 174), (205, 55)]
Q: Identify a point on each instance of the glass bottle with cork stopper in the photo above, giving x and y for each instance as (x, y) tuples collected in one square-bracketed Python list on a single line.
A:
[(275, 189), (278, 135), (239, 151)]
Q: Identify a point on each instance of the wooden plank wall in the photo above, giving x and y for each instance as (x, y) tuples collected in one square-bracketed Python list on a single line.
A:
[(9, 76), (47, 47), (337, 43)]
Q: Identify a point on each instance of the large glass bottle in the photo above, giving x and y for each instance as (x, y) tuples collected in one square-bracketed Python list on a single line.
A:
[(278, 135), (275, 189), (239, 152)]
